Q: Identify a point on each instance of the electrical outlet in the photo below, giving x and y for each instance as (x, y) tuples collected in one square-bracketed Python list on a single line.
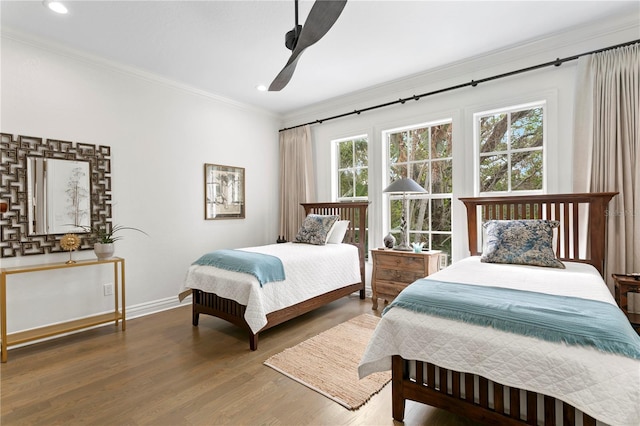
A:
[(108, 289)]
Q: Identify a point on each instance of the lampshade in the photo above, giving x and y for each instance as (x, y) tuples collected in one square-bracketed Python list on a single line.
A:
[(404, 185)]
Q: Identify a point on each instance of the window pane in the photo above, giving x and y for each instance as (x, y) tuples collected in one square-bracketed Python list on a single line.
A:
[(420, 173), (346, 184), (362, 182), (526, 128), (494, 173), (441, 214), (397, 147), (362, 155), (441, 242), (526, 171), (418, 219), (441, 177), (493, 133), (419, 139), (395, 213), (441, 141), (419, 237), (346, 154), (397, 172)]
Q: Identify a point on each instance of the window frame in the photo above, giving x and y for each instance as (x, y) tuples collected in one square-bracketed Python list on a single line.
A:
[(541, 103), (386, 166), (335, 160)]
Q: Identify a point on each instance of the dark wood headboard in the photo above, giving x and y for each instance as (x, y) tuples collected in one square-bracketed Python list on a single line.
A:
[(356, 214), (582, 217)]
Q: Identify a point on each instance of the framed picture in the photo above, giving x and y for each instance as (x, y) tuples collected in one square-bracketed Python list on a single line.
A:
[(223, 192)]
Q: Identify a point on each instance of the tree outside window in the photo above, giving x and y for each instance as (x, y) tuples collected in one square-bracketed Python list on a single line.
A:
[(424, 154), (511, 143)]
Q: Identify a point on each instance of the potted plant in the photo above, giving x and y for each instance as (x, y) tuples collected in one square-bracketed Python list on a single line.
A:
[(104, 238)]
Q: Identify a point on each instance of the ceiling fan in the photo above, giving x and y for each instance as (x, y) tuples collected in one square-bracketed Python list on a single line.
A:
[(323, 14)]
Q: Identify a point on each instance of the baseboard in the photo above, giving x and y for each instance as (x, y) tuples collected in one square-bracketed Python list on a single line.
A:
[(155, 306)]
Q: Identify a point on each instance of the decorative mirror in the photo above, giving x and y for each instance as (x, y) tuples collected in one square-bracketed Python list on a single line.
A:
[(48, 187)]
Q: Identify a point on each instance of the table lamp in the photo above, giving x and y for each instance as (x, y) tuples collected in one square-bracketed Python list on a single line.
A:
[(404, 186)]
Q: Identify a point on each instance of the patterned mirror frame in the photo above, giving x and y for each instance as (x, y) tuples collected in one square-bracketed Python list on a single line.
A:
[(14, 238)]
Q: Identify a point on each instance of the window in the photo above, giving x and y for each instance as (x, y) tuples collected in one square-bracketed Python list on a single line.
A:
[(510, 144), (424, 154), (352, 159)]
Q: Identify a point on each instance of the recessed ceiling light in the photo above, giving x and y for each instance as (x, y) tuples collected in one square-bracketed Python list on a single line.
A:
[(56, 6), (261, 88)]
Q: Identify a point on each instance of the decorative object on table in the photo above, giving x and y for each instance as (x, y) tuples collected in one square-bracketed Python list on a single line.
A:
[(223, 192), (70, 242), (104, 238), (417, 247), (389, 241), (281, 239), (404, 186)]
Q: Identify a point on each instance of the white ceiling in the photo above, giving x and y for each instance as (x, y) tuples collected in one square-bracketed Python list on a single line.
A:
[(227, 48)]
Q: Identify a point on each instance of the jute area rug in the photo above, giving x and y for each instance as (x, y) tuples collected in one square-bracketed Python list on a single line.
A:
[(328, 363)]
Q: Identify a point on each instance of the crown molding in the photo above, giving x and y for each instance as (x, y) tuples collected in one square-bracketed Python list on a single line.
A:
[(113, 66)]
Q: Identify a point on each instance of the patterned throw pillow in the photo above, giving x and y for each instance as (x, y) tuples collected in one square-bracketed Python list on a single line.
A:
[(315, 229), (523, 242)]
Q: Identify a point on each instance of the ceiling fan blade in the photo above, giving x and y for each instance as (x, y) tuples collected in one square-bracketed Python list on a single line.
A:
[(323, 14)]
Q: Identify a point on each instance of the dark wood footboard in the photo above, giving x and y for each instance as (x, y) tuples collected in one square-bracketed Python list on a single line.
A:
[(233, 312), (469, 395)]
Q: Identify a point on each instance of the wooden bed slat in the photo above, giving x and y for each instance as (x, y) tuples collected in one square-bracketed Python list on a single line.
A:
[(498, 397), (532, 408), (514, 402), (469, 388)]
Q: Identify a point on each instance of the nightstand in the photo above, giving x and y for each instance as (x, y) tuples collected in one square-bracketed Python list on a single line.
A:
[(393, 270), (624, 285)]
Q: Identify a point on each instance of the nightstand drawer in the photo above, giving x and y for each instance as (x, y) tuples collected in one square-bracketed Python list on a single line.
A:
[(401, 262), (389, 289), (399, 275)]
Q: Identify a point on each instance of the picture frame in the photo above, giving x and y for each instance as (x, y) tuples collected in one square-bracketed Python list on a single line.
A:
[(223, 192)]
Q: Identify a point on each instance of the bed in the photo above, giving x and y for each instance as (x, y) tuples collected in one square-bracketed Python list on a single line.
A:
[(315, 276), (497, 377)]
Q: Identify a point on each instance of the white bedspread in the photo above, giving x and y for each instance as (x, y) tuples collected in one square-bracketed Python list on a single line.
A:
[(604, 385), (310, 271)]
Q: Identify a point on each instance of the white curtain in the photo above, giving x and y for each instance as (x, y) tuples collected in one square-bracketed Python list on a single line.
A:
[(607, 148), (296, 178)]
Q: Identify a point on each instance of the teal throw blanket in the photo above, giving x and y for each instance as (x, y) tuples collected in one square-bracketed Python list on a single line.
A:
[(572, 320), (264, 267)]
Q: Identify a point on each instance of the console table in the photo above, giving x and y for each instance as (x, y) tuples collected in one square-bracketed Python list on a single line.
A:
[(117, 315)]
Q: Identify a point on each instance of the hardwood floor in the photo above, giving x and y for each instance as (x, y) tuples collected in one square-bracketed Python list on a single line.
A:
[(164, 371)]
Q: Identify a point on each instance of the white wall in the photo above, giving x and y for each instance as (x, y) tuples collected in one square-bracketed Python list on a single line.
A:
[(556, 85), (160, 136)]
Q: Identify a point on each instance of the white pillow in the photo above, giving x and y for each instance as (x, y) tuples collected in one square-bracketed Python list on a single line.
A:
[(338, 231)]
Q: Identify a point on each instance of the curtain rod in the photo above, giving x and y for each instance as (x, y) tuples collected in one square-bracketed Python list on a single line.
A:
[(472, 83)]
